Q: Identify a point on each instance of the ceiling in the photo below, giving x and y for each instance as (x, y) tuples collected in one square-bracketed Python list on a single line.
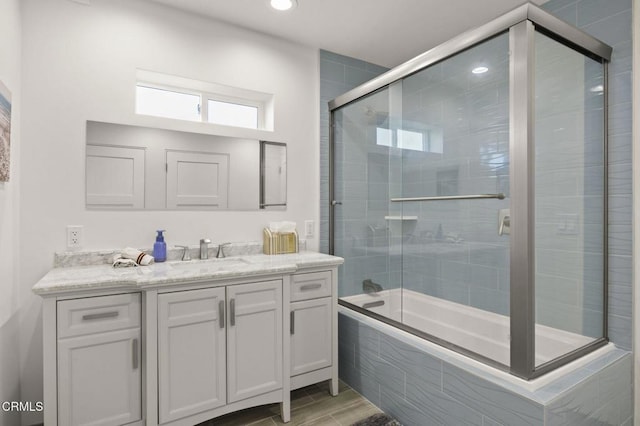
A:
[(384, 32)]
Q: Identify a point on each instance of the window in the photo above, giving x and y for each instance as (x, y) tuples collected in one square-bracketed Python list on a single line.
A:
[(429, 140), (167, 103), (410, 140), (384, 136), (180, 98), (232, 114)]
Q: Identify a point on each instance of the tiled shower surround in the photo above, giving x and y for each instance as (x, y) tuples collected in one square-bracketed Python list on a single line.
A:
[(405, 382), (611, 22), (420, 384)]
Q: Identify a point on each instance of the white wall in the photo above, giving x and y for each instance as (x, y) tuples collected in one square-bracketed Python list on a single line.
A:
[(10, 52), (80, 64)]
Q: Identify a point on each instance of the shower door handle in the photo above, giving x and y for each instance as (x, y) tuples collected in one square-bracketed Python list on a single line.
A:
[(499, 196)]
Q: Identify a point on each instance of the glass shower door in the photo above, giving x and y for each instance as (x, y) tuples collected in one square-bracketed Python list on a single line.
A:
[(454, 143), (364, 168)]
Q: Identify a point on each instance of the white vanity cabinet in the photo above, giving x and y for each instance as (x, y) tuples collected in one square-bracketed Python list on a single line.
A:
[(313, 329), (218, 346), (98, 360), (178, 344)]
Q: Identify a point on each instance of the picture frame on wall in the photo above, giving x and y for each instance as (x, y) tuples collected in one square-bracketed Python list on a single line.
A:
[(5, 132)]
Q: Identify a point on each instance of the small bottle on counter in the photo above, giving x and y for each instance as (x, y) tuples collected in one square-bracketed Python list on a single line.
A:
[(160, 247)]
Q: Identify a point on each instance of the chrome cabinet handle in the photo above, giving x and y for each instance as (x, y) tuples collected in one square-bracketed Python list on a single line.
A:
[(232, 312), (221, 313), (292, 322), (310, 286), (101, 315), (134, 354)]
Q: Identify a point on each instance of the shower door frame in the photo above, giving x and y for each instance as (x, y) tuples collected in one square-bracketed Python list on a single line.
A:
[(521, 23)]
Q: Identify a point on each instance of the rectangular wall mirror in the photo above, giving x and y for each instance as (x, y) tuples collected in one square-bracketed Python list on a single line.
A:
[(142, 168)]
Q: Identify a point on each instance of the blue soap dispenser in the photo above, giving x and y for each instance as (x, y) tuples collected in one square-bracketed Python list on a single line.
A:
[(160, 247)]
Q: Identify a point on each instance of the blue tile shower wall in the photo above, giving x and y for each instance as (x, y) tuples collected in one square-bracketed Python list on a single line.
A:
[(453, 251), (338, 74), (419, 387), (611, 22)]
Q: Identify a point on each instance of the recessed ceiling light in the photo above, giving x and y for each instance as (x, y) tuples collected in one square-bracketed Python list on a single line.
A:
[(479, 70), (283, 4)]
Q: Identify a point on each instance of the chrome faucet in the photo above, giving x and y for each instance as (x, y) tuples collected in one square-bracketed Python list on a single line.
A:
[(204, 248), (220, 254), (185, 254)]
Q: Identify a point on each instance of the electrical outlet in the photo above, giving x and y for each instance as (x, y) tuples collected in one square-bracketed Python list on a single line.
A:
[(74, 236), (309, 228)]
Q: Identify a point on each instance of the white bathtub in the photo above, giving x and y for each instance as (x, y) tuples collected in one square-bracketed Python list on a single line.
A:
[(479, 331)]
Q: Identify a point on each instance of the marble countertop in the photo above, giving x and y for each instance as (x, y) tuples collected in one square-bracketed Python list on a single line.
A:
[(93, 277)]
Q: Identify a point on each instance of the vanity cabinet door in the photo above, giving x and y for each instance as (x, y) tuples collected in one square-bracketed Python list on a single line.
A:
[(254, 339), (99, 379), (98, 360), (310, 335), (191, 352)]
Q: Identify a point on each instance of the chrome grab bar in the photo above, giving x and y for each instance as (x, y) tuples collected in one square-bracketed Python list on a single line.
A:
[(499, 196)]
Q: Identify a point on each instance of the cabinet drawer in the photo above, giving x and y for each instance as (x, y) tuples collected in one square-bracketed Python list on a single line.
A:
[(311, 286), (98, 314)]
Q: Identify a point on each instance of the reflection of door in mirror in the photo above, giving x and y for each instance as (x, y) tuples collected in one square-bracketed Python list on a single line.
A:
[(125, 168), (135, 167), (273, 175), (197, 179)]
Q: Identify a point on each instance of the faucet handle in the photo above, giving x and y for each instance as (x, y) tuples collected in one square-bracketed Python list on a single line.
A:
[(185, 254), (220, 254)]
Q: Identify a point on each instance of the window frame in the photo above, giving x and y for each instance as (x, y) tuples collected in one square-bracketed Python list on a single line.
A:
[(203, 106), (168, 88), (260, 121)]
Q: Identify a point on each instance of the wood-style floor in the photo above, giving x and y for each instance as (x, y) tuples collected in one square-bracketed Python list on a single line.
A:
[(310, 406)]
